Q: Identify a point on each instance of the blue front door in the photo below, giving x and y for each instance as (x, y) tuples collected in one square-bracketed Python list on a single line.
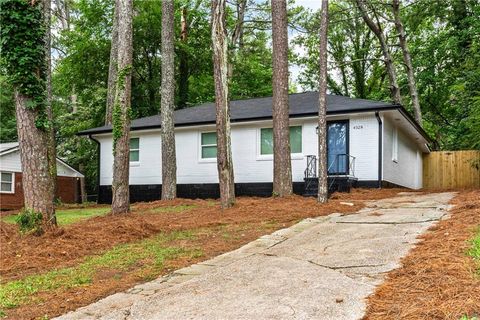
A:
[(337, 147)]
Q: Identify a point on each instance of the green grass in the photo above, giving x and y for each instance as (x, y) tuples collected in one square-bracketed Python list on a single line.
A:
[(475, 249), (69, 216), (146, 254)]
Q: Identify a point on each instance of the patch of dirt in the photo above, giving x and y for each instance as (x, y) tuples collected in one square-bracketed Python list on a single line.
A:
[(219, 231), (437, 280)]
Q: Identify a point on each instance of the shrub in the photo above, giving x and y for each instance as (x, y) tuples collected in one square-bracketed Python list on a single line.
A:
[(29, 221)]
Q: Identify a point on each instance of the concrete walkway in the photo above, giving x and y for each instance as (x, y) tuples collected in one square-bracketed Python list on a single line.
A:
[(320, 268)]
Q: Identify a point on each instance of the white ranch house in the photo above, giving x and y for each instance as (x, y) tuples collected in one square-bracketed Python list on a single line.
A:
[(370, 144)]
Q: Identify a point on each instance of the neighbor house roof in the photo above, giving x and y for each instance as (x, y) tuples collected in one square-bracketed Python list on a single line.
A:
[(300, 105), (6, 148)]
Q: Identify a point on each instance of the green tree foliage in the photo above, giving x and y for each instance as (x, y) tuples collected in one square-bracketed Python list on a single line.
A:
[(80, 70), (445, 51), (23, 55), (443, 39), (355, 68), (444, 44), (8, 129)]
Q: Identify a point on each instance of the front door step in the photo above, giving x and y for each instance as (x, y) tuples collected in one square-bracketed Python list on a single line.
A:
[(335, 184)]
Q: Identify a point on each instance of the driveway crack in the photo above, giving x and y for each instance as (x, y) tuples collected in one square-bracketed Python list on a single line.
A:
[(386, 222), (347, 267), (327, 266)]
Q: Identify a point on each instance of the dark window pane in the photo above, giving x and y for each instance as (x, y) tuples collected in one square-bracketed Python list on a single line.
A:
[(209, 152), (209, 138), (135, 143), (6, 177), (134, 155)]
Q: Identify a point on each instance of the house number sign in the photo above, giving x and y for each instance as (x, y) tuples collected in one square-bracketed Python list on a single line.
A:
[(358, 127)]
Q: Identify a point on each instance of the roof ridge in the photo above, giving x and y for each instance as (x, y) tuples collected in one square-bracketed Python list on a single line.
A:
[(255, 108)]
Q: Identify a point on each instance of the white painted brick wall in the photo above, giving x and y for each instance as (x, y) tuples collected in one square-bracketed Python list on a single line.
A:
[(407, 171), (364, 145), (248, 165)]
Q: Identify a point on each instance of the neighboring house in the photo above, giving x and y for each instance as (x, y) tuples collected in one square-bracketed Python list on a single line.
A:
[(11, 192), (369, 143)]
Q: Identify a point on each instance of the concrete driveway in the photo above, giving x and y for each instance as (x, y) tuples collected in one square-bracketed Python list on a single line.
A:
[(320, 268)]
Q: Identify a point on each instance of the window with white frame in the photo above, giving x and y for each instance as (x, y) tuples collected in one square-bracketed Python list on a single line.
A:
[(208, 145), (7, 182), (134, 149), (395, 145), (266, 140)]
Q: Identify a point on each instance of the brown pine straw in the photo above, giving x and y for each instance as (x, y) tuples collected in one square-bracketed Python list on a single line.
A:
[(438, 279)]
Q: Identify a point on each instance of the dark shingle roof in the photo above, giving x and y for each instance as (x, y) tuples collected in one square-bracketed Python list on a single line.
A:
[(301, 104)]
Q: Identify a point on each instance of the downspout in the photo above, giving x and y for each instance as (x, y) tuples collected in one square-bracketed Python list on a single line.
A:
[(98, 165), (380, 148)]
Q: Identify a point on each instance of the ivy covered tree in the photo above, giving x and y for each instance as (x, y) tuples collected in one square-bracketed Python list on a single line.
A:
[(25, 58), (122, 110)]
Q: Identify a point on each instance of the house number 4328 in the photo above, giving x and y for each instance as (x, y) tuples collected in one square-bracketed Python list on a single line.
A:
[(358, 127)]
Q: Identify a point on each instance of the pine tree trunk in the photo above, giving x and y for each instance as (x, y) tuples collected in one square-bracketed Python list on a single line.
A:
[(83, 191), (377, 30), (34, 155), (220, 70), (74, 100), (112, 68), (407, 59), (121, 110), (237, 33), (169, 162), (51, 145), (282, 165), (30, 78), (183, 62), (63, 13), (322, 110)]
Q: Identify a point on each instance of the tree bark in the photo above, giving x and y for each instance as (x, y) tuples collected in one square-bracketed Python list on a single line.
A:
[(63, 13), (122, 109), (34, 155), (183, 62), (83, 190), (74, 100), (169, 162), (322, 109), (282, 165), (112, 68), (377, 30), (407, 59), (220, 70), (237, 34), (52, 152)]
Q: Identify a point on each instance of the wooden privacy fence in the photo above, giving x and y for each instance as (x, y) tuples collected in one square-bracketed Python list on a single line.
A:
[(451, 169)]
